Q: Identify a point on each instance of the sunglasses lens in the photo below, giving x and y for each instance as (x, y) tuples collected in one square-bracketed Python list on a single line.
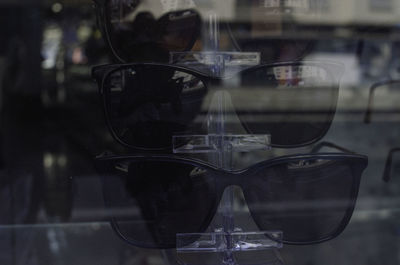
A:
[(146, 112), (139, 33), (309, 201), (179, 30), (150, 201), (295, 104)]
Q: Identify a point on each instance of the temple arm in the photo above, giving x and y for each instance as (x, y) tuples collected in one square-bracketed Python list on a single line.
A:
[(388, 166), (367, 118), (320, 145)]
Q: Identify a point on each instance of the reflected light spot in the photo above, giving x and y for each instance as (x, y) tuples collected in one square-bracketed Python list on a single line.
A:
[(48, 160), (62, 161), (56, 7)]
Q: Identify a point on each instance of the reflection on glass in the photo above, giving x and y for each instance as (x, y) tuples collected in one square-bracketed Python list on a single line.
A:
[(149, 30)]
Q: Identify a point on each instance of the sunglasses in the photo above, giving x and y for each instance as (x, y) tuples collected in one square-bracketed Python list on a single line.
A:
[(134, 34), (309, 197), (147, 104)]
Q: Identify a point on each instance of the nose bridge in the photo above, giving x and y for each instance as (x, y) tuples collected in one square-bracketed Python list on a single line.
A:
[(230, 179), (214, 82), (223, 82)]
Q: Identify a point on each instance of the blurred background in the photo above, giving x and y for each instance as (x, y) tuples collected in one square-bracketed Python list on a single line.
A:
[(52, 124)]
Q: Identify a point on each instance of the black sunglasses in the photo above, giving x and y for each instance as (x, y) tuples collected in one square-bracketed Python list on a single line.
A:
[(147, 104), (309, 197), (135, 35)]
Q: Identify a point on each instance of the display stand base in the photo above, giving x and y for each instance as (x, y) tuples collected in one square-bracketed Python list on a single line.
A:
[(228, 247), (220, 241), (213, 143)]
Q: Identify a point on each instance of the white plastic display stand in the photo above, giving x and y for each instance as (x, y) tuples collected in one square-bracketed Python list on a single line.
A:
[(219, 146)]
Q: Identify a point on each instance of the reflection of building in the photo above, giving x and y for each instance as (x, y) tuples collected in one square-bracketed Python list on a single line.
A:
[(329, 12), (356, 12), (334, 12)]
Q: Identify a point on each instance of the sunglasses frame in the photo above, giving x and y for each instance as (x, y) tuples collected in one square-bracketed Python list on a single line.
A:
[(101, 73), (105, 27), (368, 117), (224, 179), (368, 113)]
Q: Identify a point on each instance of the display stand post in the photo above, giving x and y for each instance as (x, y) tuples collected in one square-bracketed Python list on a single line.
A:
[(220, 145)]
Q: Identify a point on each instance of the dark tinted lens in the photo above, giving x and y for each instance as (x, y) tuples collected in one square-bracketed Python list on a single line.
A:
[(147, 105), (179, 30), (308, 200), (295, 104), (151, 201), (139, 33)]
